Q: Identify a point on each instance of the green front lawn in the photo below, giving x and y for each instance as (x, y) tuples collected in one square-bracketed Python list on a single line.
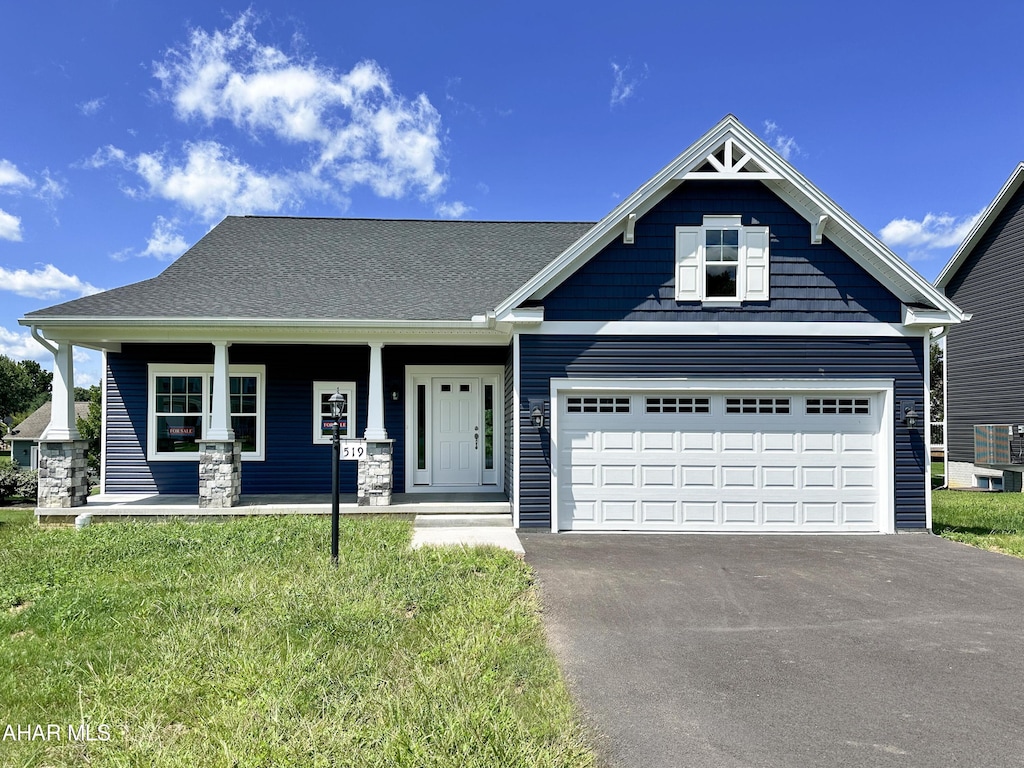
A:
[(238, 644), (988, 520)]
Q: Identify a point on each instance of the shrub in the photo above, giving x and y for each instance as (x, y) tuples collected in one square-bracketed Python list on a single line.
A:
[(18, 483)]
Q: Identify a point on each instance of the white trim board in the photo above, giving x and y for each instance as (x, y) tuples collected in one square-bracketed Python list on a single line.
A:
[(725, 328)]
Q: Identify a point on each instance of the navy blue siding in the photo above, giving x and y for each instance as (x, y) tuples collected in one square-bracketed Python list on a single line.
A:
[(293, 464), (543, 358), (637, 282)]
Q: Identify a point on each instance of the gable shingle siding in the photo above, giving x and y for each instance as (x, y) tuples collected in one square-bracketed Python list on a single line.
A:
[(637, 282)]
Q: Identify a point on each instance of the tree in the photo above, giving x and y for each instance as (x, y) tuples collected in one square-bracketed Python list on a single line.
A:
[(16, 388), (937, 398), (91, 426), (24, 386)]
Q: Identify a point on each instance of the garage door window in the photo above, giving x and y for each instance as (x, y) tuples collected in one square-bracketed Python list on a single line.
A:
[(597, 404), (757, 405), (678, 405), (820, 406)]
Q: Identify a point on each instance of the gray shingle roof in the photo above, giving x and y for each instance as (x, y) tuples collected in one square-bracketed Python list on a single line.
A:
[(344, 269), (36, 422)]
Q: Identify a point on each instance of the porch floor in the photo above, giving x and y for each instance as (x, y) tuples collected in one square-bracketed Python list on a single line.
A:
[(111, 505)]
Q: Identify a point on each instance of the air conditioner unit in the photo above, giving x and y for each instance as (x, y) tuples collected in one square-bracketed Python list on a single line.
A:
[(992, 445)]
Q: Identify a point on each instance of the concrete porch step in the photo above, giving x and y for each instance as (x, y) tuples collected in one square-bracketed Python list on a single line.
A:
[(464, 520)]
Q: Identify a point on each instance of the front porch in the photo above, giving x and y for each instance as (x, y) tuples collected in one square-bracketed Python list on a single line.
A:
[(162, 507)]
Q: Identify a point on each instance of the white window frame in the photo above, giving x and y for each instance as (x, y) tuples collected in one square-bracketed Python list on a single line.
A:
[(206, 371), (692, 263), (347, 388)]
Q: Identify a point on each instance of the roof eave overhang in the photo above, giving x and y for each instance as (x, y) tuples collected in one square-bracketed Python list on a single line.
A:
[(812, 204), (980, 227), (109, 333)]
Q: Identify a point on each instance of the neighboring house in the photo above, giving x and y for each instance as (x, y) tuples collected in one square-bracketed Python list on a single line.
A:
[(24, 437), (727, 350), (984, 358)]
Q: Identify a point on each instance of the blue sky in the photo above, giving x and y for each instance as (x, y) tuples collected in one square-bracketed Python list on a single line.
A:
[(131, 128)]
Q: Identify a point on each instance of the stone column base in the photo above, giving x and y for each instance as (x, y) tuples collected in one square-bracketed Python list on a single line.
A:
[(375, 475), (220, 473), (63, 474)]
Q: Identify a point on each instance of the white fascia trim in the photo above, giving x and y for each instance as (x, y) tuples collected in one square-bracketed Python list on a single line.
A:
[(779, 175), (722, 385), (981, 227), (915, 317), (109, 334), (728, 328), (522, 315), (513, 492)]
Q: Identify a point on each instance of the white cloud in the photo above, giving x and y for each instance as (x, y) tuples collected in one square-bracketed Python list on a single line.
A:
[(11, 177), (47, 282), (10, 226), (165, 243), (361, 130), (933, 232), (19, 345), (209, 180), (784, 145), (213, 183), (91, 107), (625, 82), (454, 210)]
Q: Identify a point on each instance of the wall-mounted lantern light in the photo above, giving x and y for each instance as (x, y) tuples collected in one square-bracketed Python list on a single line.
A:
[(394, 394), (537, 416), (910, 417)]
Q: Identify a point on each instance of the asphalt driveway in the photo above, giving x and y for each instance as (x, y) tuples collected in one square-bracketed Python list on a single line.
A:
[(788, 651)]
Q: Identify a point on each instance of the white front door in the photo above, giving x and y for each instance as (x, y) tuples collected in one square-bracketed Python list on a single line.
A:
[(457, 431)]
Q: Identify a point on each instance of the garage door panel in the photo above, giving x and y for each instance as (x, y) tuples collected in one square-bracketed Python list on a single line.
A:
[(778, 442), (782, 513), (780, 477), (745, 442), (744, 513), (697, 441), (618, 441), (659, 477), (658, 512), (819, 442), (654, 442), (774, 470), (739, 477)]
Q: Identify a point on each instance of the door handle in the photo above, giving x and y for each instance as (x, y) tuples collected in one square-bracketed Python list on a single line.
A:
[(476, 438)]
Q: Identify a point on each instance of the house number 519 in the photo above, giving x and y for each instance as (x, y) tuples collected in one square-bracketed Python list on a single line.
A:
[(353, 450)]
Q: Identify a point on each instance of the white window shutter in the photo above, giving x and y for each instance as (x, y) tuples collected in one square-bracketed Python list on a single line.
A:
[(755, 264), (689, 281)]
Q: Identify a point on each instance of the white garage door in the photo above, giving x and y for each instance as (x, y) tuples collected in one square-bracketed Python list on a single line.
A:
[(720, 461)]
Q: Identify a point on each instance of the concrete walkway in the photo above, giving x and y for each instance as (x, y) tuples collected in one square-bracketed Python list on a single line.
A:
[(466, 530)]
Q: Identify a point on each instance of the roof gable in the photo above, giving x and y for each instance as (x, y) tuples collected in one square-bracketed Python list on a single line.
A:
[(729, 151), (35, 423), (981, 227)]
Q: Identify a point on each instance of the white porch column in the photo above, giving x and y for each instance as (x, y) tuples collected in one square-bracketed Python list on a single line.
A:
[(220, 418), (63, 426), (375, 412)]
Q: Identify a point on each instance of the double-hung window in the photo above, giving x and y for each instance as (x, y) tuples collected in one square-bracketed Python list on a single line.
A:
[(722, 261), (181, 404)]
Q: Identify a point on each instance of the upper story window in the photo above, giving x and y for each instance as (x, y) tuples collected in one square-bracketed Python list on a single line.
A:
[(722, 261)]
